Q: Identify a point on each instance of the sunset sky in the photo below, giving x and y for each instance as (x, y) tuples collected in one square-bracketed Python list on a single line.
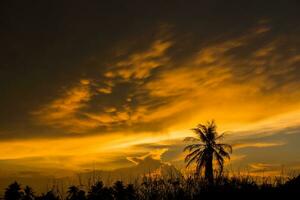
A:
[(98, 85)]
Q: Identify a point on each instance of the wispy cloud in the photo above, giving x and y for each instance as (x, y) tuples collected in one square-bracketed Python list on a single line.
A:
[(258, 145), (150, 86), (154, 154), (63, 112), (139, 65), (224, 86)]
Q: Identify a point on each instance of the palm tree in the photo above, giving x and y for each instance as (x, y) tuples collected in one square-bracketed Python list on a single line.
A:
[(206, 150)]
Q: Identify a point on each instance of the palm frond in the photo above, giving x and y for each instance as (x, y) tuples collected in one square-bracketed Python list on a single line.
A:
[(203, 128), (222, 152), (192, 146), (219, 160), (211, 130), (221, 136), (201, 135), (187, 157), (201, 162), (195, 157), (226, 146)]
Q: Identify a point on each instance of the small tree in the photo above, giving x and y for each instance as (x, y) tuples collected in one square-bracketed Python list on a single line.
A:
[(28, 193), (74, 193), (119, 190), (98, 191), (13, 192)]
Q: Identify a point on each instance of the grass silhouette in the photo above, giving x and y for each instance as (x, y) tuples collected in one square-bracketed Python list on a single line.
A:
[(158, 188)]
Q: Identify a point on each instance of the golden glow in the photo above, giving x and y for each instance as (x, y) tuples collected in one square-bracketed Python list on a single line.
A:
[(208, 84)]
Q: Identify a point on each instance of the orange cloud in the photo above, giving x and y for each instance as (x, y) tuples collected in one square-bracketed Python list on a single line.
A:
[(63, 111), (215, 84), (139, 65), (258, 145)]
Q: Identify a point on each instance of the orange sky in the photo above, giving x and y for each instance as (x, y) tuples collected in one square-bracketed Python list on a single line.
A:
[(203, 87)]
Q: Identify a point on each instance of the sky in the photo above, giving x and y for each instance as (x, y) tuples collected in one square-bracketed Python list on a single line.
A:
[(100, 85)]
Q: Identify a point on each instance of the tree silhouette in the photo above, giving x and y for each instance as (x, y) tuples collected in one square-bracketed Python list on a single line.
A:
[(81, 195), (206, 149), (98, 191), (13, 192), (28, 194), (50, 195), (95, 191), (119, 190), (130, 191), (75, 193)]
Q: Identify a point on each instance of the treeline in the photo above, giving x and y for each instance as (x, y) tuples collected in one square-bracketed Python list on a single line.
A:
[(157, 188)]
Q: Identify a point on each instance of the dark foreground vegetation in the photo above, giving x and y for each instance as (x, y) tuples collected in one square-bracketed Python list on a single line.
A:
[(156, 188)]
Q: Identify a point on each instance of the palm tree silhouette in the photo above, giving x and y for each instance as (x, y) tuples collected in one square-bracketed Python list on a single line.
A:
[(206, 150)]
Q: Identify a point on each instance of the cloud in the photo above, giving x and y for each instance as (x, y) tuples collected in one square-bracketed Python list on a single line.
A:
[(234, 80), (140, 64), (154, 154), (71, 111), (229, 87), (258, 145), (63, 112), (105, 90), (261, 166), (79, 153), (266, 170)]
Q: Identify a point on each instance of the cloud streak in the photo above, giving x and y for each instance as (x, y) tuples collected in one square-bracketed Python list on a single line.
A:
[(63, 112)]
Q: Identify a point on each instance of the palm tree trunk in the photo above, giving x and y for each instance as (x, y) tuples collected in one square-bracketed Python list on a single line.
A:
[(209, 176)]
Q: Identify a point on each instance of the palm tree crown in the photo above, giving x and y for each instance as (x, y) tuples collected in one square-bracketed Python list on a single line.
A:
[(206, 149)]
